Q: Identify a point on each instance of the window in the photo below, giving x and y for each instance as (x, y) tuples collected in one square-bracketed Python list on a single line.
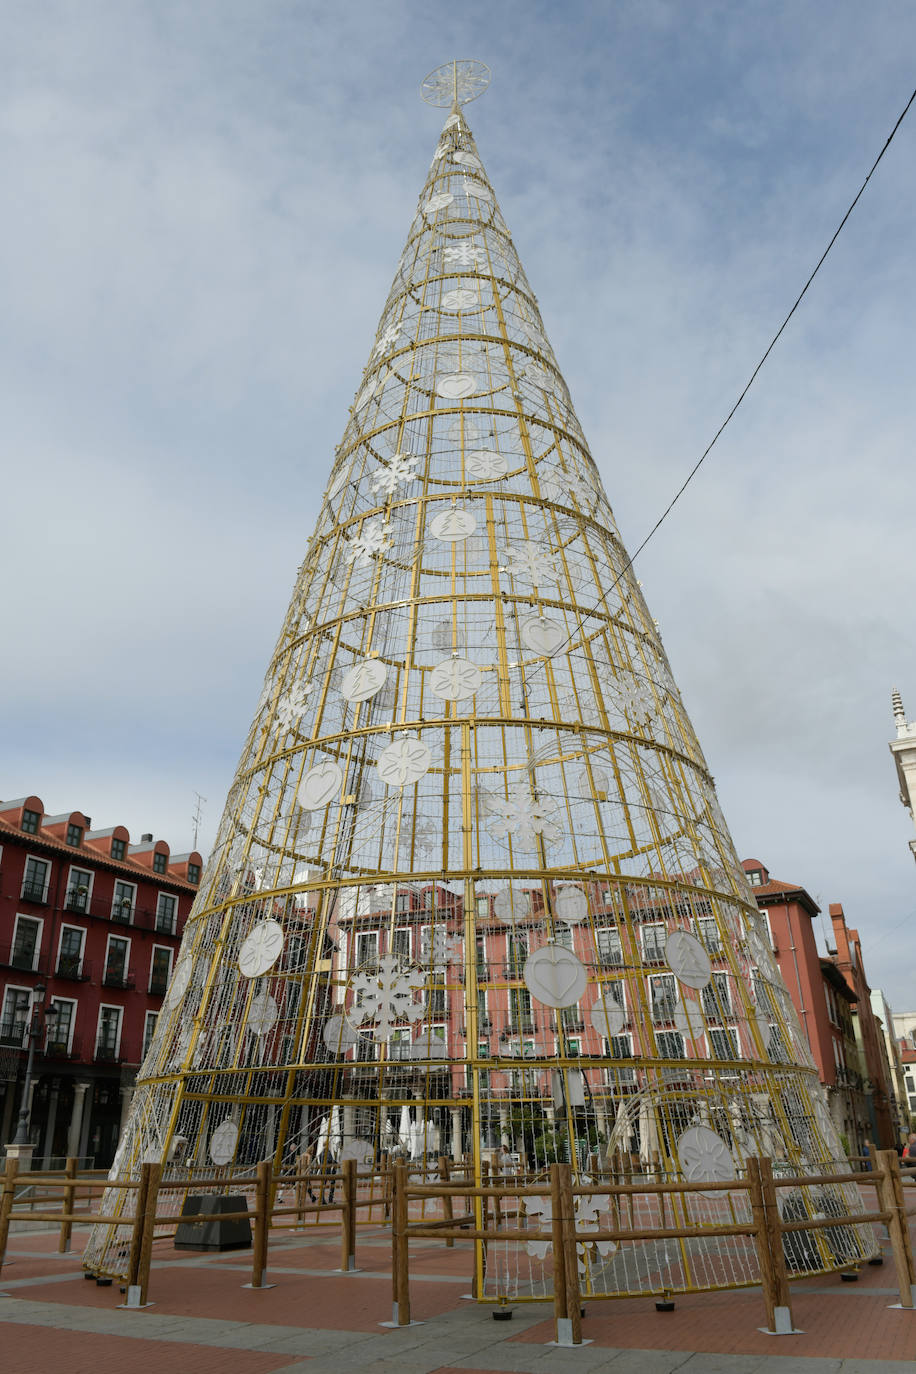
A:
[(755, 877), (716, 999), (166, 914), (572, 1018), (399, 1044), (160, 970), (483, 908), (122, 906), (79, 887), (149, 1026), (663, 994), (402, 905), (194, 873), (70, 952), (116, 959), (35, 882), (160, 862), (609, 947), (108, 1036), (74, 835), (400, 943), (724, 1044), (483, 1020), (367, 947), (60, 1027), (14, 1019), (30, 822), (436, 1002), (653, 943), (118, 849), (518, 953), (670, 1044), (26, 943), (520, 1009), (708, 931)]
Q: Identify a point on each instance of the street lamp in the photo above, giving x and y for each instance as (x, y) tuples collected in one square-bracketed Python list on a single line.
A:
[(38, 1017)]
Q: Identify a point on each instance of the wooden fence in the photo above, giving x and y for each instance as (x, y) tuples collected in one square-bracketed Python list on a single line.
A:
[(767, 1227)]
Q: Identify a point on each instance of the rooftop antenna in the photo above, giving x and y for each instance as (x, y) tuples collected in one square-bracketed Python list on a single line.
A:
[(197, 814)]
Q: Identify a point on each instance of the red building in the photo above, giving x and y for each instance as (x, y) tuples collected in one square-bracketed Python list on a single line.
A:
[(96, 921), (847, 955)]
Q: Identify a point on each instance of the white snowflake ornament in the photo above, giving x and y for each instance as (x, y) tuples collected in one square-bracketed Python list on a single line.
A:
[(525, 817), (397, 473), (386, 994), (373, 539), (291, 706)]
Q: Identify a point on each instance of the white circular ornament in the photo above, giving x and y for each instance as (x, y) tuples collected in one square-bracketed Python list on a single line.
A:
[(607, 1016), (688, 1019), (461, 298), (455, 679), (704, 1156), (437, 202), (543, 635), (509, 905), (343, 476), (455, 386), (223, 1142), (466, 159), (360, 1150), (260, 949), (179, 982), (320, 785), (476, 190), (555, 976), (764, 1027), (687, 959), (363, 680), (404, 761), (339, 1034), (571, 905), (453, 525), (441, 635), (484, 466), (263, 1014)]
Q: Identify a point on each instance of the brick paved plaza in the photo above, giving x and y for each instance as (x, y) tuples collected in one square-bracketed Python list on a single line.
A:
[(317, 1319)]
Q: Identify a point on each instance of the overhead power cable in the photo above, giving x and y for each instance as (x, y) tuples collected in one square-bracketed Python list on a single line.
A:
[(753, 377)]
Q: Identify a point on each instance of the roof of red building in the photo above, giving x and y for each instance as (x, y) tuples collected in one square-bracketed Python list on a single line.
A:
[(96, 856), (776, 888)]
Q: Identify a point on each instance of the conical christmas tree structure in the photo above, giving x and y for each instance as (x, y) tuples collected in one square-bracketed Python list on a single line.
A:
[(472, 886)]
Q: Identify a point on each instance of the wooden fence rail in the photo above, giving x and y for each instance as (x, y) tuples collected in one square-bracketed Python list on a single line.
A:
[(477, 1222)]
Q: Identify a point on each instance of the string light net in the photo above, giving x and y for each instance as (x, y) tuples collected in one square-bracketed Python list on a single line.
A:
[(472, 887)]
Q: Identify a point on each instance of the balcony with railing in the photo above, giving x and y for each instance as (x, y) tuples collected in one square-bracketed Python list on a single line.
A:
[(13, 1033), (158, 986), (23, 957), (116, 976), (63, 1049), (74, 967), (77, 901), (107, 1050), (33, 891)]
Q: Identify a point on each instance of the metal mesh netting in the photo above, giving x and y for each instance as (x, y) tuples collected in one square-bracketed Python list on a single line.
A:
[(472, 886)]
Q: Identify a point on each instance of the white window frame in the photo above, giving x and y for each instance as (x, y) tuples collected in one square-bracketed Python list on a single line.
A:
[(172, 898), (715, 945), (38, 859), (662, 980), (610, 934), (36, 957), (148, 1037), (152, 959), (19, 987), (65, 925), (113, 935), (109, 1006), (116, 902), (61, 1001), (358, 936), (71, 884), (401, 930), (658, 954)]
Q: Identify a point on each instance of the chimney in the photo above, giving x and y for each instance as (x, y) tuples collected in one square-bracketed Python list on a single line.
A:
[(146, 839)]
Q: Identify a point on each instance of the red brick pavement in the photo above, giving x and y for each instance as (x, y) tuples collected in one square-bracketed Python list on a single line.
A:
[(35, 1349)]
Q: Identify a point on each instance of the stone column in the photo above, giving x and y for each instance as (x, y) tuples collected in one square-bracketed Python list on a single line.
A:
[(504, 1126), (51, 1123), (87, 1123), (127, 1094), (76, 1118)]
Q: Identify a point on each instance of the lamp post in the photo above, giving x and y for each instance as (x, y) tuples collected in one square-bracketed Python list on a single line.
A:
[(38, 1017)]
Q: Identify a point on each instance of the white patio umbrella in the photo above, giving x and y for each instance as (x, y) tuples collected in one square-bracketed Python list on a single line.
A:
[(404, 1127), (334, 1135)]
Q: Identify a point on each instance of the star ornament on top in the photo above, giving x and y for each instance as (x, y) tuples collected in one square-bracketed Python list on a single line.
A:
[(291, 706), (397, 473), (373, 539)]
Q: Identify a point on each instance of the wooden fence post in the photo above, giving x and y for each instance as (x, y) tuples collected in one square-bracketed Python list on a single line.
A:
[(559, 1262), (6, 1202), (781, 1298), (263, 1188), (573, 1330), (448, 1214), (890, 1195), (348, 1216), (149, 1229), (302, 1185), (66, 1227), (141, 1193), (399, 1268)]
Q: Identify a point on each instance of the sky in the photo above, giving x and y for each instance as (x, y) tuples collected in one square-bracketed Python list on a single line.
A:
[(204, 206)]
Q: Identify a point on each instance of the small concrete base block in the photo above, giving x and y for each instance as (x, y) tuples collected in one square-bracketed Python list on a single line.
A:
[(259, 1288), (208, 1232), (782, 1319), (133, 1302), (564, 1335)]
